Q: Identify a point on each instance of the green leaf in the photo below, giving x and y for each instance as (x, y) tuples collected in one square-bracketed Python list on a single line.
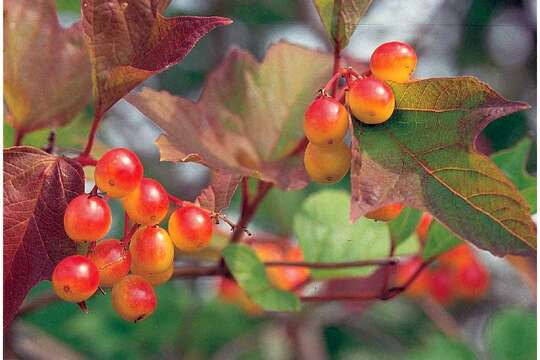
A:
[(442, 348), (511, 335), (250, 274), (325, 234), (439, 240), (424, 157), (513, 163), (404, 225), (340, 18)]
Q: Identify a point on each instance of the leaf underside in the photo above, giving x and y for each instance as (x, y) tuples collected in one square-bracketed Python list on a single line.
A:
[(217, 196)]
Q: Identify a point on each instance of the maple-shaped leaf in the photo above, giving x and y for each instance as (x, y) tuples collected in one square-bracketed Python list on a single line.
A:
[(46, 68), (340, 18), (37, 188), (130, 40), (217, 196), (249, 118), (424, 157)]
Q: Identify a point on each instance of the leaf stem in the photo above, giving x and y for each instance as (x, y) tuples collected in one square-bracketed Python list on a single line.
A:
[(92, 134)]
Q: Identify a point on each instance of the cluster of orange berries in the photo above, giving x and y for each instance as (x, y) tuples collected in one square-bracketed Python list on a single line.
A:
[(145, 257), (371, 101), (456, 275)]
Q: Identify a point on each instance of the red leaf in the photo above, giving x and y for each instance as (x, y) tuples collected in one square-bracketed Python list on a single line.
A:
[(129, 41), (37, 189), (217, 196)]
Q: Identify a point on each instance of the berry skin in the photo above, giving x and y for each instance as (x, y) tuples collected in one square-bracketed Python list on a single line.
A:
[(75, 278), (442, 285), (155, 278), (393, 61), (326, 121), (472, 280), (190, 228), (112, 261), (419, 287), (371, 101), (423, 227), (87, 218), (386, 213), (152, 250), (327, 164), (148, 203), (118, 172), (133, 298), (457, 257)]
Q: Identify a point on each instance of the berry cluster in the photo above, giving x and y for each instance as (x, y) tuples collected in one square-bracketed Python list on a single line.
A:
[(370, 100), (147, 251), (456, 275)]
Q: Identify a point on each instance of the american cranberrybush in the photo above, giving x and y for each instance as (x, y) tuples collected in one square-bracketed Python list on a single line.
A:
[(148, 203), (75, 278), (133, 298), (393, 61), (112, 260), (472, 280), (118, 172), (87, 218), (325, 121), (442, 285), (371, 100), (190, 228), (157, 278), (152, 250), (327, 164), (385, 213)]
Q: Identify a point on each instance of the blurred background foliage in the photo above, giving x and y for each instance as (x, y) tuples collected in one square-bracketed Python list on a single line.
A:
[(494, 40)]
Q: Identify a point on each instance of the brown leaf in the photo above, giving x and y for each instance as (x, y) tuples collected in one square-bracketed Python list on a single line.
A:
[(37, 189), (130, 40), (46, 68), (217, 196), (249, 117)]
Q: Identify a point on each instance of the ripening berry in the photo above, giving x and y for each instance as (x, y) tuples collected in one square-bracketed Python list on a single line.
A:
[(327, 164), (393, 61), (148, 203), (457, 257), (371, 101), (472, 280), (75, 278), (405, 270), (441, 285), (190, 228), (152, 250), (386, 213), (423, 227), (155, 278), (87, 218), (112, 260), (118, 172), (133, 298), (326, 121)]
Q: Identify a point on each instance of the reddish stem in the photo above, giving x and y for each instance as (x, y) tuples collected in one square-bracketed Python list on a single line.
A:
[(86, 160), (334, 265), (127, 237), (92, 135), (337, 61), (178, 202), (196, 271), (245, 194), (19, 135)]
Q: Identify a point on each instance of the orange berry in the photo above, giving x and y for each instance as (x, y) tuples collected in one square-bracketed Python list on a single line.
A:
[(386, 213), (393, 61), (371, 101), (327, 164)]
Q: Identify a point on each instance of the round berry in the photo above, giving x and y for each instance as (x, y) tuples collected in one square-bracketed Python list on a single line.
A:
[(327, 164), (441, 285), (152, 250), (326, 121), (231, 293), (112, 260), (457, 257), (472, 280), (87, 218), (190, 228), (371, 101), (385, 213), (148, 203), (155, 278), (75, 278), (393, 61), (118, 172), (133, 298)]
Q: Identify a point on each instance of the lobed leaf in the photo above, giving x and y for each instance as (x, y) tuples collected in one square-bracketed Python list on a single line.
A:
[(37, 188), (424, 157), (217, 196), (248, 120), (250, 274), (129, 41), (340, 18), (46, 68)]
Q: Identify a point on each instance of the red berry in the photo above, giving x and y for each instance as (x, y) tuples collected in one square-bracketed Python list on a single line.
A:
[(152, 250), (393, 61), (133, 298), (112, 260), (87, 218), (118, 172), (472, 280), (190, 228), (371, 101), (326, 121), (441, 286), (75, 278), (404, 271), (386, 213), (148, 203), (457, 257), (423, 227)]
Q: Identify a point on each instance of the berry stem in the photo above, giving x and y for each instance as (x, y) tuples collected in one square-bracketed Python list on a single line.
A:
[(176, 201), (51, 142), (19, 135), (86, 160), (335, 265), (127, 237), (337, 61), (249, 208), (92, 134)]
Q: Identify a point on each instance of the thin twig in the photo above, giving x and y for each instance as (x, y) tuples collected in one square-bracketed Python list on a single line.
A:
[(197, 271), (19, 135), (334, 265), (92, 134)]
